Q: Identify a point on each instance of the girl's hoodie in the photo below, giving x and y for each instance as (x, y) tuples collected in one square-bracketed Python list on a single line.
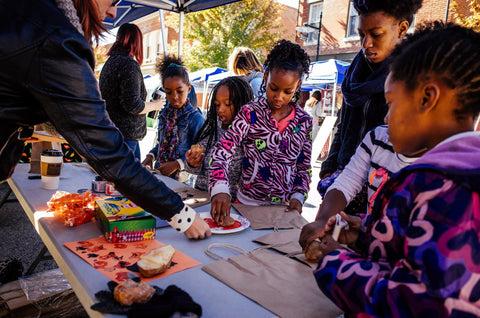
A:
[(419, 254)]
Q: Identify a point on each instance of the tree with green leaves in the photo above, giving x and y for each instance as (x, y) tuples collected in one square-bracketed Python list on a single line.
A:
[(212, 34), (471, 20)]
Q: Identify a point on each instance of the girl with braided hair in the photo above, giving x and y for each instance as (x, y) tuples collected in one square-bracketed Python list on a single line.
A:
[(382, 23), (178, 123), (416, 255), (226, 100), (275, 134)]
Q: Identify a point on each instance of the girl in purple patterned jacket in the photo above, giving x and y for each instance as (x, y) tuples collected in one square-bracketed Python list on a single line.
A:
[(275, 134), (418, 253)]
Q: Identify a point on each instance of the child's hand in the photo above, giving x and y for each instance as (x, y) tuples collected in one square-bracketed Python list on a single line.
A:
[(346, 236), (167, 168), (195, 157), (294, 204), (311, 232), (328, 244), (220, 207), (148, 162)]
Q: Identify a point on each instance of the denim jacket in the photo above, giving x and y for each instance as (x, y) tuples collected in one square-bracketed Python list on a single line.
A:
[(189, 123)]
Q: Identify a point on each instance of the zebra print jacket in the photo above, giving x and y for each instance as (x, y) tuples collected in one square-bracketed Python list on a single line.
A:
[(276, 166)]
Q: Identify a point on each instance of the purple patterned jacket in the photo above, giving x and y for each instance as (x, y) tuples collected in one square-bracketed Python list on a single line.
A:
[(421, 247), (276, 166)]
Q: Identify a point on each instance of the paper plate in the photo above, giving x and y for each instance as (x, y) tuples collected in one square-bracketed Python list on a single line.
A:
[(241, 223)]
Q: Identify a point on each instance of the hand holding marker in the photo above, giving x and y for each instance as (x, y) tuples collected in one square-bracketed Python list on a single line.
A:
[(340, 224)]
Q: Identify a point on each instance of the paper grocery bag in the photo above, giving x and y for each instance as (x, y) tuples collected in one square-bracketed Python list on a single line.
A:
[(282, 285), (37, 148), (286, 241), (270, 216), (193, 197)]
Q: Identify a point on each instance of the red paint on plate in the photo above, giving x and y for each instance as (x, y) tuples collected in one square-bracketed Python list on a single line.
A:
[(214, 225)]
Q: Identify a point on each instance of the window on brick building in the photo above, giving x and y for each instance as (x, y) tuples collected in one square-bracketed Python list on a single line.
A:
[(314, 19), (352, 23), (148, 48)]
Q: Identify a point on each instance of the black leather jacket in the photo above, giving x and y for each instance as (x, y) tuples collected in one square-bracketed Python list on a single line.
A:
[(46, 73)]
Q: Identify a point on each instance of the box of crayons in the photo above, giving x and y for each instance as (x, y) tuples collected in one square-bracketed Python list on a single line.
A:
[(121, 220)]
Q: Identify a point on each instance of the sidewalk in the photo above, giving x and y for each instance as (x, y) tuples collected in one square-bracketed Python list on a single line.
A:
[(18, 238), (310, 208)]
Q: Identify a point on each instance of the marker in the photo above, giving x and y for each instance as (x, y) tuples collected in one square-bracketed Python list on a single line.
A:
[(340, 223)]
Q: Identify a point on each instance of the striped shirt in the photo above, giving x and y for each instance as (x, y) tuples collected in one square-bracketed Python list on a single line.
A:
[(374, 162)]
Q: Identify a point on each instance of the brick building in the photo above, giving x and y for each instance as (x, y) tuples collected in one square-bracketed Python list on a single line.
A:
[(338, 32)]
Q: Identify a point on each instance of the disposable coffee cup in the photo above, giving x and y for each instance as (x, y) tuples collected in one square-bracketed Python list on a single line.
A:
[(51, 161)]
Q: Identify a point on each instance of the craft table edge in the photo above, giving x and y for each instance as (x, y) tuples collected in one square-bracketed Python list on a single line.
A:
[(86, 281)]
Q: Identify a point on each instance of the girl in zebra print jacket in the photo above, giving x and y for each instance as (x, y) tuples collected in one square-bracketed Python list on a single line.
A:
[(275, 134)]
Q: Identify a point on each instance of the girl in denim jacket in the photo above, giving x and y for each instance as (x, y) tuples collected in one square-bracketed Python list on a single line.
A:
[(179, 122)]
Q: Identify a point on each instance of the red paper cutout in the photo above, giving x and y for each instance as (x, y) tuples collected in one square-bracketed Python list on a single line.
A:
[(115, 260)]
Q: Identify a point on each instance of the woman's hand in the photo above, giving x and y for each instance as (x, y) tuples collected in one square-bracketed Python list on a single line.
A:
[(148, 162), (195, 157), (168, 168), (346, 236), (198, 230), (220, 207), (153, 106), (294, 204)]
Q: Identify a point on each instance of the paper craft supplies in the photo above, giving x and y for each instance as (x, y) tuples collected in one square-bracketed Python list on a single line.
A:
[(121, 220)]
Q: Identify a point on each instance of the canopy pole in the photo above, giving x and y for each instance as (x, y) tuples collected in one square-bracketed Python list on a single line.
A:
[(180, 34), (204, 97), (162, 29), (334, 102)]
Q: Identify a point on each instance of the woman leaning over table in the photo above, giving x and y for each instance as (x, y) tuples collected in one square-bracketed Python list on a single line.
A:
[(47, 74)]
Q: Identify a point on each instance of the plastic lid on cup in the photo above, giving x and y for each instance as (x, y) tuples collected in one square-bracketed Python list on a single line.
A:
[(52, 153)]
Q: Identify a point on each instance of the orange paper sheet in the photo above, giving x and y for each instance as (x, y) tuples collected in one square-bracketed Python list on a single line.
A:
[(116, 260)]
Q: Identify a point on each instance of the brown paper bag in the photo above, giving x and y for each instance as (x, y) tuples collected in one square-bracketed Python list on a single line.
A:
[(280, 284), (270, 216), (37, 148), (193, 197), (286, 241)]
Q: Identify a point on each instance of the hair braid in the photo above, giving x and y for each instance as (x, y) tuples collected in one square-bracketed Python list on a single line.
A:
[(448, 51), (240, 93)]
